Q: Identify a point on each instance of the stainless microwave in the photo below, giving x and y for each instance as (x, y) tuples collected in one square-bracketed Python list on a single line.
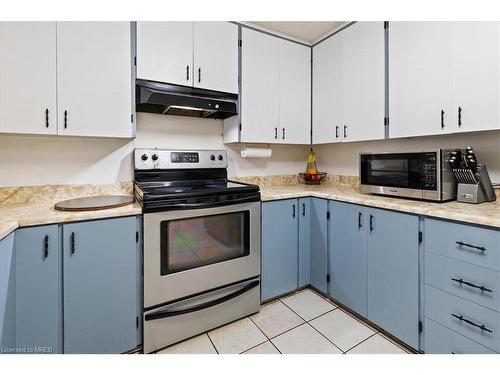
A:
[(422, 174)]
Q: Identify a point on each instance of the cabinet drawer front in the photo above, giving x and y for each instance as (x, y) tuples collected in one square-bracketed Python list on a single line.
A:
[(464, 242), (445, 308), (441, 340), (477, 284)]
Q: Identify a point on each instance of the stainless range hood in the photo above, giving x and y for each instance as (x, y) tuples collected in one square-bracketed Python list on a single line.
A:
[(164, 98)]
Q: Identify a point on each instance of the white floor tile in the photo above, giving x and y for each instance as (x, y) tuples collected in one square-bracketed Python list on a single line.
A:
[(308, 304), (275, 318), (342, 329), (197, 345), (264, 348), (377, 345), (304, 340), (237, 337)]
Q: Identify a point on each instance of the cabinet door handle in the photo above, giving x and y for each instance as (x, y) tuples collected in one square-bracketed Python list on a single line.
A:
[(337, 131), (360, 224), (462, 281), (275, 132), (442, 119), (480, 248), (345, 131), (187, 72), (46, 246), (303, 209), (459, 116), (293, 211), (199, 74), (371, 223), (72, 243), (65, 119), (482, 327), (283, 133), (46, 117)]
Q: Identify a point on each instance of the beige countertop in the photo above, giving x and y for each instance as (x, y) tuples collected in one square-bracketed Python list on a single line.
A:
[(487, 214)]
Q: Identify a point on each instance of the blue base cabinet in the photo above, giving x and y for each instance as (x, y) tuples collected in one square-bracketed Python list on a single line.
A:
[(280, 261), (393, 273), (304, 262), (319, 244), (38, 290), (100, 286), (348, 255), (7, 295)]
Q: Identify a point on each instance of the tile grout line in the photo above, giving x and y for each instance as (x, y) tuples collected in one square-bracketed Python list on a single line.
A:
[(341, 351), (268, 338), (212, 343), (359, 343)]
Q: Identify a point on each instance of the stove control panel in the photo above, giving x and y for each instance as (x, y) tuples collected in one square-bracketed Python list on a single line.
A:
[(179, 159)]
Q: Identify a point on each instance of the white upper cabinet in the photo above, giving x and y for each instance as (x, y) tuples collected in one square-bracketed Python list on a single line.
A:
[(419, 78), (295, 93), (199, 54), (28, 77), (94, 79), (363, 82), (327, 91), (444, 77), (216, 56), (260, 87), (165, 52), (349, 85), (475, 57)]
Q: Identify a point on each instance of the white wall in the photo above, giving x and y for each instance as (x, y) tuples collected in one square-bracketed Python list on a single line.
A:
[(38, 160)]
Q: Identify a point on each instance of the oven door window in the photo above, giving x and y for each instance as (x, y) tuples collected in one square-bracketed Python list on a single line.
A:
[(196, 242)]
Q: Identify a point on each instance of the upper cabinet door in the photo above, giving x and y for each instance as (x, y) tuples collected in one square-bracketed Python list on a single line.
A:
[(363, 81), (295, 93), (475, 56), (94, 78), (28, 77), (420, 78), (260, 87), (216, 56), (165, 52), (327, 90)]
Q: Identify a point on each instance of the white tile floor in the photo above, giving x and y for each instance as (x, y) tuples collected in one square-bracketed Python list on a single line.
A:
[(300, 323)]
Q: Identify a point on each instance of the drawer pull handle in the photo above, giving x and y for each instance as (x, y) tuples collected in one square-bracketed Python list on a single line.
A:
[(481, 248), (462, 281), (481, 327)]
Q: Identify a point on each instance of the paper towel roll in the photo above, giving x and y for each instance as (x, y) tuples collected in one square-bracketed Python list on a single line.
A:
[(256, 152)]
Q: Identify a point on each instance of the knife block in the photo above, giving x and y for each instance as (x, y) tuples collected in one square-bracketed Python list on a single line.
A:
[(479, 192)]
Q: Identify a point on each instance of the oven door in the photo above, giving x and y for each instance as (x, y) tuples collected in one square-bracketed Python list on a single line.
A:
[(187, 252)]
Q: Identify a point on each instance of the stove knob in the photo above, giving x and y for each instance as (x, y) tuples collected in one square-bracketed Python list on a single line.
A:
[(221, 157), (212, 157), (154, 157), (144, 157)]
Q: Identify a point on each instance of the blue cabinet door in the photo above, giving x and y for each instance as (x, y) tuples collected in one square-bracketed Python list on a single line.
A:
[(7, 295), (279, 247), (38, 289), (347, 255), (319, 244), (392, 278), (100, 286), (304, 241)]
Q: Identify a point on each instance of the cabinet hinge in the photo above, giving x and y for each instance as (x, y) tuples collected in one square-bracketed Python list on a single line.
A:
[(327, 215), (420, 327), (240, 43), (386, 24), (386, 121), (328, 278), (136, 322), (420, 236), (137, 236)]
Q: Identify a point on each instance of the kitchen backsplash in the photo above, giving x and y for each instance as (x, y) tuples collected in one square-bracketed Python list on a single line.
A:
[(41, 160)]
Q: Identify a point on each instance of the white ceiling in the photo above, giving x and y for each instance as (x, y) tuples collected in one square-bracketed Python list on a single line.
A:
[(309, 31)]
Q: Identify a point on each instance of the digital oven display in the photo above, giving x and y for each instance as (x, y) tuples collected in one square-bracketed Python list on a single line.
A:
[(184, 157)]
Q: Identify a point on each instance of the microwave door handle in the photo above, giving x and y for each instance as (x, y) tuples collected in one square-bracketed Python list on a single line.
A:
[(165, 313)]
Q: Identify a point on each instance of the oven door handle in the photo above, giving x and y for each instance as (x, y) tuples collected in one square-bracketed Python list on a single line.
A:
[(205, 305), (212, 204)]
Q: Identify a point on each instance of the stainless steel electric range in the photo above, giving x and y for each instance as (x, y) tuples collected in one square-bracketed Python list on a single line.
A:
[(201, 244)]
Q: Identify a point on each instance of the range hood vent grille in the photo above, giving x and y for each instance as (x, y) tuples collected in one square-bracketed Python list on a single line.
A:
[(164, 98)]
